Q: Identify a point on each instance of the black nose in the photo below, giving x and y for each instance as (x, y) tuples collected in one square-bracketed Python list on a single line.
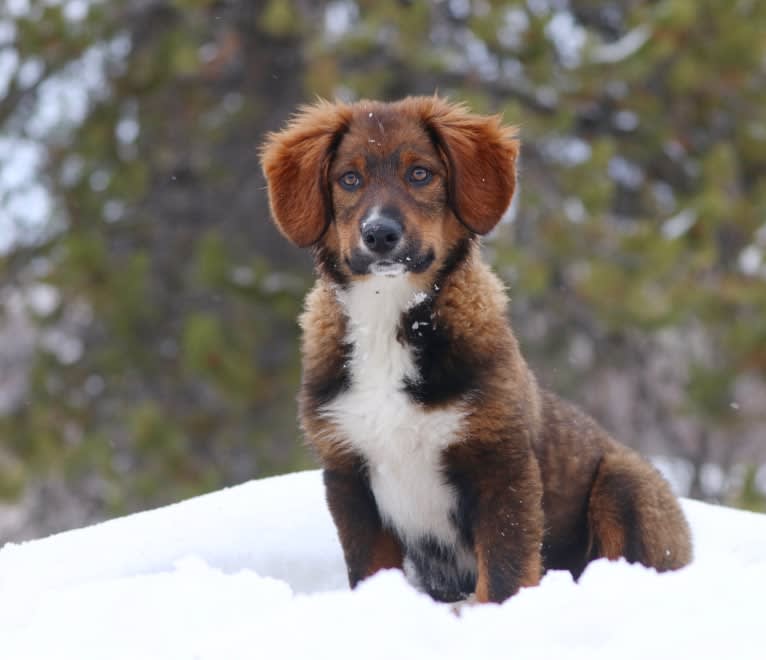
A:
[(381, 235)]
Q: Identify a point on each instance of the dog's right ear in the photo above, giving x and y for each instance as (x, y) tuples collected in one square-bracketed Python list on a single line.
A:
[(296, 162)]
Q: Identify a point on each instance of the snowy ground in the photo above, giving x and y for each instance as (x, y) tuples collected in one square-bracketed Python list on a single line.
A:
[(256, 572)]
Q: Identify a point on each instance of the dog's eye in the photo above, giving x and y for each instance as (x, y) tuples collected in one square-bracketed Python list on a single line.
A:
[(419, 176), (350, 180)]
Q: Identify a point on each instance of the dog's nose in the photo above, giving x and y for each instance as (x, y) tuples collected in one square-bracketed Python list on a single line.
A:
[(381, 235)]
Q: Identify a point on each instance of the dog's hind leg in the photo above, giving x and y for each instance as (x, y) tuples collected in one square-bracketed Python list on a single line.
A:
[(632, 513)]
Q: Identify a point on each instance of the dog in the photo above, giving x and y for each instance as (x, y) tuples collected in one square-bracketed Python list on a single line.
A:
[(441, 454)]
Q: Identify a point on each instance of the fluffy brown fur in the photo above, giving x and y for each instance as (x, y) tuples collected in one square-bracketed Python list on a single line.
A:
[(525, 481)]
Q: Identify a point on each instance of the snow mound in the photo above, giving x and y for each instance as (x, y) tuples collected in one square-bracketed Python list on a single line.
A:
[(256, 572)]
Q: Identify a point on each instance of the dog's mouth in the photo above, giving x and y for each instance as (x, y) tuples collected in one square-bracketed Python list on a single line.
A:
[(410, 260), (387, 268)]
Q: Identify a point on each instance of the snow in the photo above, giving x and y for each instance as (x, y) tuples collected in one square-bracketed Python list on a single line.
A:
[(255, 571), (623, 48), (679, 224), (568, 36)]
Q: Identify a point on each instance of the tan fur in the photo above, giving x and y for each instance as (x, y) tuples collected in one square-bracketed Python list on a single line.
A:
[(323, 328)]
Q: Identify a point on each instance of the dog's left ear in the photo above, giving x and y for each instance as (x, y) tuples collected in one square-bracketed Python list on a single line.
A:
[(296, 162), (481, 158)]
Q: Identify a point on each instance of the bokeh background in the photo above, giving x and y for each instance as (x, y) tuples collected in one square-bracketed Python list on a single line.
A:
[(148, 341)]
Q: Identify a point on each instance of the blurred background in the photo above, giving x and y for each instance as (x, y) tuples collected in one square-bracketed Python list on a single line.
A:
[(148, 337)]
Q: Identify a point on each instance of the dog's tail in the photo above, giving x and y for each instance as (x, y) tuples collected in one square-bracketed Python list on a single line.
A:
[(632, 513)]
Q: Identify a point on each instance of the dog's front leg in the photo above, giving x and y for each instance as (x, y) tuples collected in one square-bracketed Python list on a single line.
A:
[(500, 493), (367, 545)]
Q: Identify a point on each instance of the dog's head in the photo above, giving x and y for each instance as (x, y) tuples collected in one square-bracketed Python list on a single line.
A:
[(388, 188)]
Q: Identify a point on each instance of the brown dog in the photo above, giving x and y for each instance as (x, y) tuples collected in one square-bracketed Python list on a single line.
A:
[(441, 454)]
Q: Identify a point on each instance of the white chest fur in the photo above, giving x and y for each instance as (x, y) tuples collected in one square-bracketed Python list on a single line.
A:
[(401, 440)]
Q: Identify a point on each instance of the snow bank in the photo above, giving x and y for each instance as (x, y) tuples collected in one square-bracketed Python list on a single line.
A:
[(277, 527), (256, 572)]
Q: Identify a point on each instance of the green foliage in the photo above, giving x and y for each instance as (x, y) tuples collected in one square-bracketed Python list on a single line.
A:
[(280, 19), (11, 478), (750, 496), (211, 259)]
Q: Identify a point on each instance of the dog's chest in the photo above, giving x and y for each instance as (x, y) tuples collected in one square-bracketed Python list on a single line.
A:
[(401, 440)]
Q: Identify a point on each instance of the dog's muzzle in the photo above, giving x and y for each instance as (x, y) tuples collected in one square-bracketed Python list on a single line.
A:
[(385, 250)]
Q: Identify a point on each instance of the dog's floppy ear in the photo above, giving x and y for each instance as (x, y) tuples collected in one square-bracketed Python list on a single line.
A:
[(296, 162), (481, 158)]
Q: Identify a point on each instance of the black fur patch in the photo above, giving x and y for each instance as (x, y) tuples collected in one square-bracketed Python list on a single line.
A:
[(455, 257), (567, 554), (437, 571), (421, 262), (446, 369), (626, 496), (328, 265), (464, 515), (445, 372), (410, 255), (334, 379)]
